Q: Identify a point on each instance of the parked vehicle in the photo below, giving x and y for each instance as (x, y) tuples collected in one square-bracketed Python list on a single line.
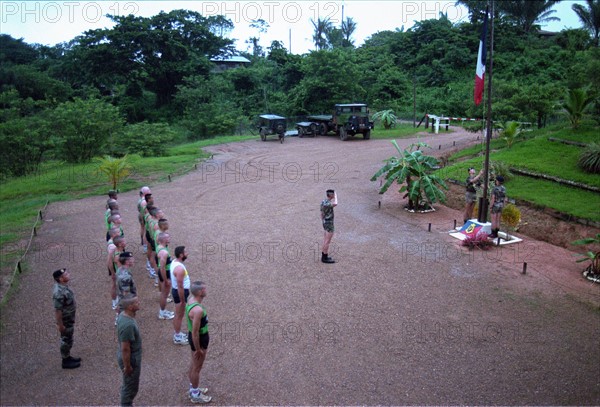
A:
[(346, 121), (270, 124)]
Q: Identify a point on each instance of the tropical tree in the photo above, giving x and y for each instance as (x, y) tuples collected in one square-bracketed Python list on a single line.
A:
[(82, 128), (414, 171), (476, 9), (509, 132), (348, 29), (116, 169), (322, 27), (526, 13), (386, 117), (590, 17), (158, 51), (575, 104)]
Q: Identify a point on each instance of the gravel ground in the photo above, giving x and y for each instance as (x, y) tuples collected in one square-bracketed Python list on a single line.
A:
[(405, 316)]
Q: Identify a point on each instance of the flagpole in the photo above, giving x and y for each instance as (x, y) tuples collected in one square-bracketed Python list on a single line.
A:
[(483, 201)]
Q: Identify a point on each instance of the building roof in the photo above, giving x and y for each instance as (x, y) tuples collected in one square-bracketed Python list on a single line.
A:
[(234, 59)]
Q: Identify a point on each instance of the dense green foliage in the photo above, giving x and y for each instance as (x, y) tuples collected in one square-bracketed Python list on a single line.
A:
[(103, 92)]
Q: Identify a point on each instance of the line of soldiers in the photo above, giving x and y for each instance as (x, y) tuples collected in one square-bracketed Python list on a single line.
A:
[(169, 274)]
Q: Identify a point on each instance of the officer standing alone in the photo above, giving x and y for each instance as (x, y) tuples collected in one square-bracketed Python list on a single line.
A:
[(64, 309)]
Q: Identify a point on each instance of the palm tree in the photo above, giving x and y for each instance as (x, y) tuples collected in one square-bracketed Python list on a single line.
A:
[(590, 17), (577, 101), (526, 13), (322, 27), (510, 131), (348, 28), (476, 9), (116, 169)]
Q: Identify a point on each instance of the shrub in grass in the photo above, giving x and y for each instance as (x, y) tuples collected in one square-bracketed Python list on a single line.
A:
[(145, 139), (511, 216), (589, 160), (474, 127), (387, 118)]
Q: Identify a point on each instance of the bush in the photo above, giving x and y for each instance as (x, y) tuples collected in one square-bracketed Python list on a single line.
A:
[(23, 144), (145, 139), (511, 216), (589, 160), (474, 127), (83, 127)]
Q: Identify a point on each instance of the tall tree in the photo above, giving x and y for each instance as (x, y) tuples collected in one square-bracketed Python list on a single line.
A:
[(526, 13), (476, 9), (348, 29), (322, 27), (158, 51), (590, 17)]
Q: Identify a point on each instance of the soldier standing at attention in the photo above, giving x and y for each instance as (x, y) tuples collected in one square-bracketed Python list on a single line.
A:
[(497, 204), (327, 206), (197, 322), (129, 353), (64, 308)]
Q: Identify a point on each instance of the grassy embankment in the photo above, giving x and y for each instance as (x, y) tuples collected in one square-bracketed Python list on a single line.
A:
[(535, 153), (21, 198)]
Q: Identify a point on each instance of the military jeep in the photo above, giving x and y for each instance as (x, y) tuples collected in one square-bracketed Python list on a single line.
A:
[(347, 120), (269, 124)]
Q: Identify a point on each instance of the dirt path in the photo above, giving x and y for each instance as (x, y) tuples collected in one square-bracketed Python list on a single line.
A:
[(406, 316)]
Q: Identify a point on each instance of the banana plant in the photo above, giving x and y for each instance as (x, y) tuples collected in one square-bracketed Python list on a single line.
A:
[(591, 256), (413, 170)]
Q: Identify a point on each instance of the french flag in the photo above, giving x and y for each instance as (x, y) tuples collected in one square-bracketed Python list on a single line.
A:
[(480, 72)]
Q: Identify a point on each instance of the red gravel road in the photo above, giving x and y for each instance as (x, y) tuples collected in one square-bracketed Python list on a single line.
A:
[(405, 316)]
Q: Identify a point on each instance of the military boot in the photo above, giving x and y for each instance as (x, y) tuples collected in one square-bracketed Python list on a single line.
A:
[(326, 259), (72, 359), (68, 363)]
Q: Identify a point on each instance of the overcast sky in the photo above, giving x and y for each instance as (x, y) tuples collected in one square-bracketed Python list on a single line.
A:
[(52, 22)]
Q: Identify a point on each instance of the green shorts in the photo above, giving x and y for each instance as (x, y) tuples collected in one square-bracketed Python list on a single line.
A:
[(328, 226)]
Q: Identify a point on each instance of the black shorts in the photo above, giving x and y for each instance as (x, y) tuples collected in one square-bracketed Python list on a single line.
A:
[(204, 339), (175, 294), (150, 241), (107, 236), (167, 271)]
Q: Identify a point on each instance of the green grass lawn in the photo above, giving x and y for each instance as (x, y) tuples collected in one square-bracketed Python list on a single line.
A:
[(586, 134), (22, 198), (539, 155), (402, 130), (547, 157), (574, 201)]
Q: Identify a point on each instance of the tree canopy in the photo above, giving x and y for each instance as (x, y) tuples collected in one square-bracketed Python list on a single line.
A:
[(150, 70)]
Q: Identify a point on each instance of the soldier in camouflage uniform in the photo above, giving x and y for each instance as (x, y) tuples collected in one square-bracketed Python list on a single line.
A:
[(124, 282), (497, 204), (64, 306), (327, 206)]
